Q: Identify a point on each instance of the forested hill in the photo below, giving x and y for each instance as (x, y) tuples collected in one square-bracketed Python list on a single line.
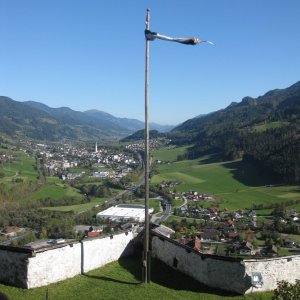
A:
[(263, 130)]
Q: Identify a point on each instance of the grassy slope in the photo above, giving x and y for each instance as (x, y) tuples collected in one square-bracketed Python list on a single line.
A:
[(55, 191), (77, 208), (239, 184), (22, 165), (122, 280), (168, 153)]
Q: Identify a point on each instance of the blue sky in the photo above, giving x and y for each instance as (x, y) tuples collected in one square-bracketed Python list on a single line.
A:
[(91, 54)]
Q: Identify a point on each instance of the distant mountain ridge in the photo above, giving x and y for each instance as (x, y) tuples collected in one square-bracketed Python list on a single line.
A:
[(247, 113), (38, 121)]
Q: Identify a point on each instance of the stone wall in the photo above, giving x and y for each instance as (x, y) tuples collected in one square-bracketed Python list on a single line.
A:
[(13, 266), (34, 268), (98, 252), (52, 265), (225, 273), (274, 270)]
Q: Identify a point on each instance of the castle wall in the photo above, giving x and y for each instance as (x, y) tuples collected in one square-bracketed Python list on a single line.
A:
[(225, 273), (99, 252), (34, 268), (54, 265), (274, 270), (13, 267)]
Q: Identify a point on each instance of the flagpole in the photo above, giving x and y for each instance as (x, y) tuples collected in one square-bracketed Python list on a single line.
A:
[(146, 253)]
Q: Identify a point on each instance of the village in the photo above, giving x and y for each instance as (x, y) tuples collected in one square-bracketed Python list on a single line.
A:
[(194, 218), (201, 224)]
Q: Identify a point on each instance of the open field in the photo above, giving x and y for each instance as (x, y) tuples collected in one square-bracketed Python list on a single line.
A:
[(168, 153), (21, 167), (237, 184), (55, 191), (78, 208), (122, 280)]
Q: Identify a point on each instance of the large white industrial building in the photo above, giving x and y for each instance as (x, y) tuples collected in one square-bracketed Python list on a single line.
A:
[(124, 212)]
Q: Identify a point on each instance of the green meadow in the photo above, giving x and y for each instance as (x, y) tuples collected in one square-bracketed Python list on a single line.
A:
[(168, 153), (235, 183), (55, 191), (271, 125), (122, 280), (78, 208), (22, 167)]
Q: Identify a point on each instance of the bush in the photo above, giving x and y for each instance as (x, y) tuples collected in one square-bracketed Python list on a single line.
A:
[(287, 291)]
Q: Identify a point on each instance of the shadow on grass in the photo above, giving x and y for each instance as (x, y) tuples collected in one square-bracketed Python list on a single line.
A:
[(164, 275), (211, 158), (250, 174), (104, 278)]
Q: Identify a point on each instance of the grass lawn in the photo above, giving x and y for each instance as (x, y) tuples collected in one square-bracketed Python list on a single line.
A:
[(237, 184), (122, 280)]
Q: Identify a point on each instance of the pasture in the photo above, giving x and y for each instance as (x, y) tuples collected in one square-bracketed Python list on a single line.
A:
[(235, 183), (21, 166), (56, 192)]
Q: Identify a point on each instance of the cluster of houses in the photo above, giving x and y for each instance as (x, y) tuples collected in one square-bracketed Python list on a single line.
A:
[(168, 184), (229, 229), (195, 196), (154, 143), (215, 214), (58, 160), (4, 158)]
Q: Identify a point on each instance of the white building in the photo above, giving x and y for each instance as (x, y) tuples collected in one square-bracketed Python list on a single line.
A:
[(124, 212)]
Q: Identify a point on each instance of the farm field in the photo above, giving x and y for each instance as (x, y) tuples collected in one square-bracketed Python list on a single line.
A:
[(235, 183), (122, 280)]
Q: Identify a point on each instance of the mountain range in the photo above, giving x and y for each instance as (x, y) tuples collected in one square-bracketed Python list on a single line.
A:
[(39, 121), (263, 130)]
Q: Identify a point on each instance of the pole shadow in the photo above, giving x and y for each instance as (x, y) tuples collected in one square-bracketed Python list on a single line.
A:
[(105, 278)]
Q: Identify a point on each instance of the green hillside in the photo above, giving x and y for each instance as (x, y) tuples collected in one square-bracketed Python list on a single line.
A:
[(236, 184), (264, 131)]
